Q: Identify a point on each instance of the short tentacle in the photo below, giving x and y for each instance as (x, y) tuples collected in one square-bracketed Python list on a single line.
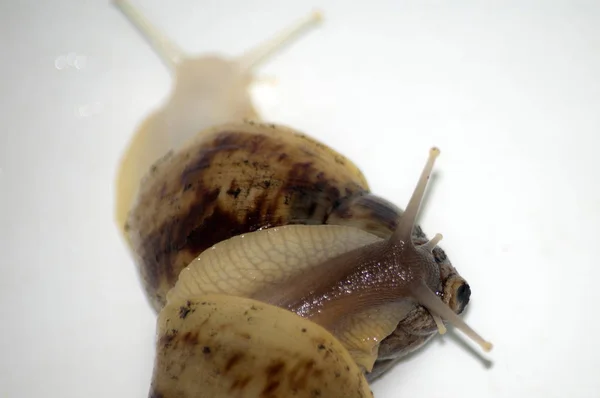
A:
[(429, 246)]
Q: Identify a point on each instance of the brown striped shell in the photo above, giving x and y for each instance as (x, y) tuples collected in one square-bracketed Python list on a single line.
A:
[(241, 177)]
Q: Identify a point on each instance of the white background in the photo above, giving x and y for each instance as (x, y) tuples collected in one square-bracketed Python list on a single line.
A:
[(510, 93)]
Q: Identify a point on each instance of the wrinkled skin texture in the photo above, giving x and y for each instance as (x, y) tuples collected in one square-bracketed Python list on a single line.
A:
[(238, 178)]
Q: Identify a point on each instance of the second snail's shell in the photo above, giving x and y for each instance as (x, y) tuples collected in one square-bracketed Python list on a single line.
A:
[(216, 346)]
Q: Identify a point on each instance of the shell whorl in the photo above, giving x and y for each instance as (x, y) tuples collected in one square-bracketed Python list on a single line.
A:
[(231, 180)]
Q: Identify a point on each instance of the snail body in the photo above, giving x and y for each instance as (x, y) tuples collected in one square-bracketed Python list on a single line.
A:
[(239, 213)]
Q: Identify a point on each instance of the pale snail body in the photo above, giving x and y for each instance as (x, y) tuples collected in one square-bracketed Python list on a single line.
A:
[(212, 181)]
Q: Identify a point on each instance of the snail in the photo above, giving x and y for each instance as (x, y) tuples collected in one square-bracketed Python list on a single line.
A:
[(273, 268)]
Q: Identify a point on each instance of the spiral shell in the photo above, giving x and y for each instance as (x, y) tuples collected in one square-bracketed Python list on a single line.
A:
[(232, 179)]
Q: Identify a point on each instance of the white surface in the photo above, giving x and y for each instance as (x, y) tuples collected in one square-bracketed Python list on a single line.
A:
[(511, 95)]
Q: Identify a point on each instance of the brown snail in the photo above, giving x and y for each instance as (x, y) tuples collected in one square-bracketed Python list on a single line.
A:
[(274, 270)]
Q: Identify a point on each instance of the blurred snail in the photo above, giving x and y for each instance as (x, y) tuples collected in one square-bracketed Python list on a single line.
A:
[(272, 267)]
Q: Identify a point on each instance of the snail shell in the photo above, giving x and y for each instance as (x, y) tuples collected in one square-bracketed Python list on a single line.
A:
[(214, 346), (233, 179)]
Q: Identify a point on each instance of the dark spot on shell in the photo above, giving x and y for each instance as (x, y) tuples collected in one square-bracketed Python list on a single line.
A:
[(234, 192), (321, 347), (240, 383), (233, 360), (256, 142), (270, 388), (222, 224), (273, 374), (261, 165), (185, 310), (171, 238), (168, 338), (163, 191), (206, 350), (312, 209), (300, 374), (303, 330), (283, 156), (215, 228), (275, 368), (190, 338), (227, 139), (155, 394), (202, 161)]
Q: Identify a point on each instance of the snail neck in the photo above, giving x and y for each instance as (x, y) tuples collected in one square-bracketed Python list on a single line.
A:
[(369, 277)]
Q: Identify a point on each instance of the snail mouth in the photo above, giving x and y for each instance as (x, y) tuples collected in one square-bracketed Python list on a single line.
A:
[(418, 326), (454, 291)]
